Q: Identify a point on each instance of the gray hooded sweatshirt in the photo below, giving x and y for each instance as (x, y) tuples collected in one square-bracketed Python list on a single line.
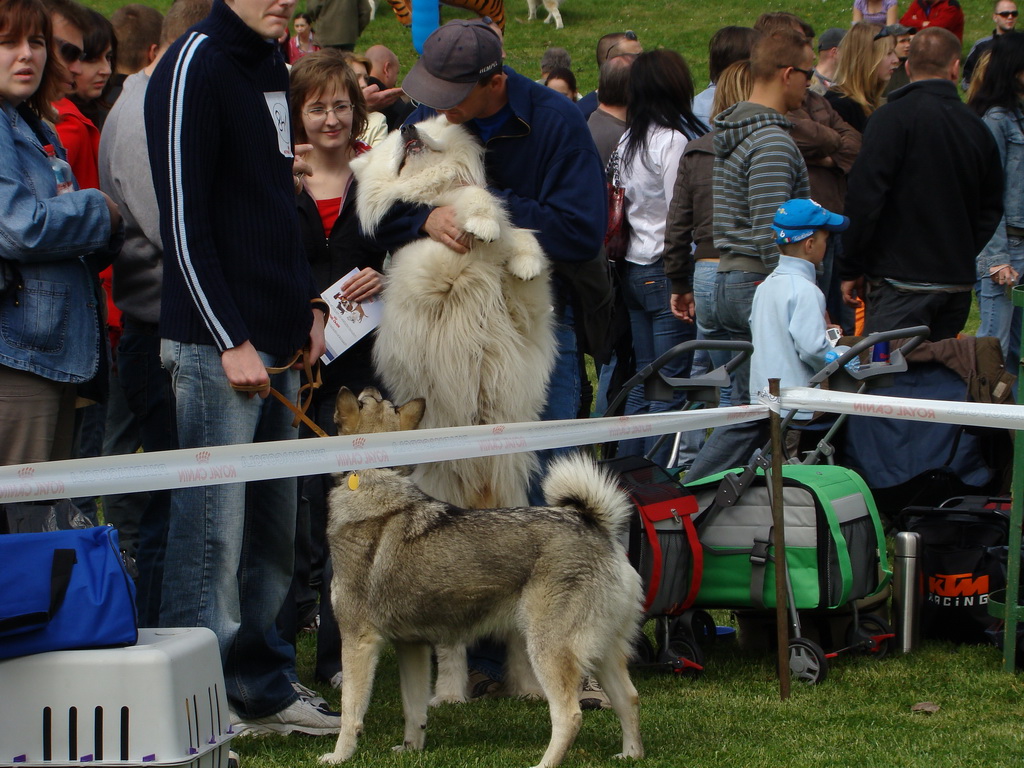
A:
[(757, 168)]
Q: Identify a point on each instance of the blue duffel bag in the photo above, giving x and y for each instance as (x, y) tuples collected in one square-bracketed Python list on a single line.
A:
[(63, 590)]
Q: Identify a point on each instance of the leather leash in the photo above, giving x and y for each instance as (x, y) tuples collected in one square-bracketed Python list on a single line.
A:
[(300, 406)]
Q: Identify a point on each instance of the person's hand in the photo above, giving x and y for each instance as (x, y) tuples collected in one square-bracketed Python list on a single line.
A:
[(244, 368), (683, 307), (377, 99), (1003, 274), (442, 227), (853, 292), (317, 345), (300, 166), (368, 282), (114, 211)]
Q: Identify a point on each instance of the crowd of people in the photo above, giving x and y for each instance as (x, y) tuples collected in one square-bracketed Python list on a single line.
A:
[(153, 292)]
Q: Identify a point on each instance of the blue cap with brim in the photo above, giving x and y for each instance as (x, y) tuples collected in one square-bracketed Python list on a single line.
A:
[(799, 218)]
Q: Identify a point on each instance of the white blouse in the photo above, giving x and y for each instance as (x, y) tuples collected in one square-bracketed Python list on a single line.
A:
[(649, 181)]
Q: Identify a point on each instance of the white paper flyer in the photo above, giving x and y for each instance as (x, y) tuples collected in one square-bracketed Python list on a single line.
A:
[(349, 320)]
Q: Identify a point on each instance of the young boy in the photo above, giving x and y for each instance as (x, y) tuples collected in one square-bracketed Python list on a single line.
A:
[(787, 318)]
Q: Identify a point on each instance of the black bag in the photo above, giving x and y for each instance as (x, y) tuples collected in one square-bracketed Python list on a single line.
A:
[(41, 516), (962, 560), (616, 237)]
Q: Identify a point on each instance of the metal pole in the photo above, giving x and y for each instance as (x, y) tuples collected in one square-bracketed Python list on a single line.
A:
[(1016, 517), (779, 544)]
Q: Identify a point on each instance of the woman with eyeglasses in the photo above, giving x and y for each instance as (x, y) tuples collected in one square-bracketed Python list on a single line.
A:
[(867, 58), (51, 248), (659, 123), (328, 112), (999, 101)]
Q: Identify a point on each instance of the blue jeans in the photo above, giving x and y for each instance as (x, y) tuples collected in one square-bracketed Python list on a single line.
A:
[(146, 386), (734, 296), (999, 317), (704, 272), (655, 330), (230, 548)]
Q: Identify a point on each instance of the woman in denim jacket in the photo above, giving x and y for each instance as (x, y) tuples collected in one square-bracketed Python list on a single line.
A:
[(1001, 262), (49, 322)]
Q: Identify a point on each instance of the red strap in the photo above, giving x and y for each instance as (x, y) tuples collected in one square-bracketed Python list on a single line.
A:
[(655, 581), (697, 560)]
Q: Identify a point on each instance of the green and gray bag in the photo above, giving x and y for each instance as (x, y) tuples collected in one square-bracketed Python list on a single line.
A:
[(835, 544)]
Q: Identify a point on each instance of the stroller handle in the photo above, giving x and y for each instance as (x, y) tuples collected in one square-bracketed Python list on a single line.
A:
[(914, 335), (659, 387)]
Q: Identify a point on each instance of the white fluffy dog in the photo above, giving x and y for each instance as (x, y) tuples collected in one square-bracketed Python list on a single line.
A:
[(471, 333)]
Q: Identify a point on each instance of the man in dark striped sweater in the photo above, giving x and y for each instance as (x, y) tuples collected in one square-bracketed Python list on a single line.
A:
[(757, 168), (238, 297)]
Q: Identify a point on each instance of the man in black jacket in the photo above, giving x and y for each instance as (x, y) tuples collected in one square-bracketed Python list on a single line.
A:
[(924, 198)]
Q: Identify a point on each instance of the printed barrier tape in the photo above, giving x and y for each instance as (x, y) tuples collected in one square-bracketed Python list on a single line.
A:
[(320, 455), (910, 409)]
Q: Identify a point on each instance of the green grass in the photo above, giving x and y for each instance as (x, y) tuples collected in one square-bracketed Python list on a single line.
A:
[(859, 717), (684, 26)]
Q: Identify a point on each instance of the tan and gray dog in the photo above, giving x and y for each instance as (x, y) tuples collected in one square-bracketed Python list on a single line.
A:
[(552, 582)]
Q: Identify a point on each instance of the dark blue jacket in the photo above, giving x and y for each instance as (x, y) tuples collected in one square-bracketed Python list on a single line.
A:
[(544, 165), (219, 138)]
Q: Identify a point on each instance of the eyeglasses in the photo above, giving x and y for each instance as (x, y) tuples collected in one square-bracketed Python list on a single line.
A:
[(69, 51), (319, 114), (808, 73), (1008, 14)]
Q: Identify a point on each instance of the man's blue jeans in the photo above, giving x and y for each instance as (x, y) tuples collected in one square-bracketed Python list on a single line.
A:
[(230, 547), (705, 272), (999, 317), (656, 330), (734, 296)]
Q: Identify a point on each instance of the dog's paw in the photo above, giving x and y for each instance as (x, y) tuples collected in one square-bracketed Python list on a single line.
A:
[(525, 266), (331, 758), (448, 698), (483, 228), (407, 747), (633, 755)]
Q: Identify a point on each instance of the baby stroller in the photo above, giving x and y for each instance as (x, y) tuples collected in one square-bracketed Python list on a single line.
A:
[(835, 541), (661, 540)]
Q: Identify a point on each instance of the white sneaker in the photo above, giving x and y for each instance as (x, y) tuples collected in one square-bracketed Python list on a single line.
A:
[(298, 717), (336, 681), (311, 696), (592, 696)]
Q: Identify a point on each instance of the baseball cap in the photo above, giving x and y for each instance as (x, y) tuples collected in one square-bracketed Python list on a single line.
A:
[(799, 218), (831, 38), (455, 56), (900, 29)]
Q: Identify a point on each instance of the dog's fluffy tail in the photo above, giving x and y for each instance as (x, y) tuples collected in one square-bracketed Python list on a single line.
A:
[(576, 481)]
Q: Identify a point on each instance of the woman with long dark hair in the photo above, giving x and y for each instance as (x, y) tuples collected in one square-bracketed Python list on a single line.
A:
[(1001, 263), (98, 64), (659, 122)]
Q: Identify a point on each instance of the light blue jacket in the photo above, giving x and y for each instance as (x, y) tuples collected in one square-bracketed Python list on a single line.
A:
[(49, 324), (787, 325), (1007, 127)]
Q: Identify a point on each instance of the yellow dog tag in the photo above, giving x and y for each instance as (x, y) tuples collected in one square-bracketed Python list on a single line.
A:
[(353, 481)]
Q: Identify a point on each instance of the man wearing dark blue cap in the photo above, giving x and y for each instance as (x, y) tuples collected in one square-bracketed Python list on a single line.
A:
[(540, 160)]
